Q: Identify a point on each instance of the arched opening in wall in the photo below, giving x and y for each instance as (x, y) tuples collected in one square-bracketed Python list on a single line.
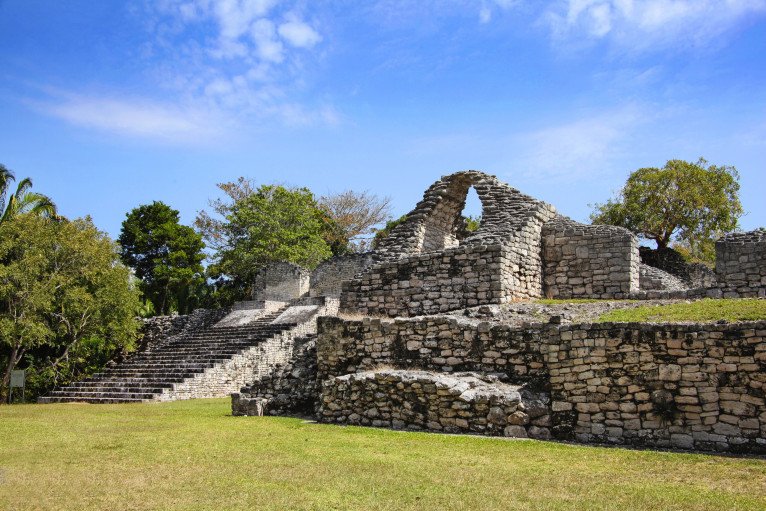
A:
[(470, 216), (445, 226)]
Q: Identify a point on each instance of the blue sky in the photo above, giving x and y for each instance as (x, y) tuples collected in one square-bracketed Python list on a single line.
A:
[(108, 105)]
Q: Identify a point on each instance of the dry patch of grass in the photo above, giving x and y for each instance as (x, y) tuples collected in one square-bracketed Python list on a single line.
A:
[(707, 310), (193, 455)]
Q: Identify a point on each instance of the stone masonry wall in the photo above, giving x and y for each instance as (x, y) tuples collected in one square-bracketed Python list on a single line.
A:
[(589, 261), (741, 264), (451, 403), (651, 278), (684, 386), (437, 343), (432, 283), (290, 389), (499, 262), (327, 278), (698, 386), (281, 282)]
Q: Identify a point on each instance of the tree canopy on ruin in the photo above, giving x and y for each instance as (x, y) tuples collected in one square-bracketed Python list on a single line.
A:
[(253, 226), (691, 204)]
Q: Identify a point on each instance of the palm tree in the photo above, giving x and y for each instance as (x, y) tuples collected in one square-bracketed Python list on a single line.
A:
[(23, 200)]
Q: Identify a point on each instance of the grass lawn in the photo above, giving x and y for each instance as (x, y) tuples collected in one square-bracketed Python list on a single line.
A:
[(194, 455), (701, 310)]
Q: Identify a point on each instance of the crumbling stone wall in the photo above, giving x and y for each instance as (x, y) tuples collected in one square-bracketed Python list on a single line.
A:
[(741, 264), (589, 261), (290, 388), (698, 386), (436, 343), (451, 403), (651, 278), (327, 278), (427, 269), (281, 282)]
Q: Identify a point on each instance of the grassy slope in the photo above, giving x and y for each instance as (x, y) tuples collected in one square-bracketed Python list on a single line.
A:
[(193, 455), (701, 310)]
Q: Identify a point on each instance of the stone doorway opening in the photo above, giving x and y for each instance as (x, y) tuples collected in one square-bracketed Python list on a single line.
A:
[(456, 216)]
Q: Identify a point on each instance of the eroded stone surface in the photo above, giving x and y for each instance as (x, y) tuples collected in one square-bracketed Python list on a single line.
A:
[(423, 400), (695, 386)]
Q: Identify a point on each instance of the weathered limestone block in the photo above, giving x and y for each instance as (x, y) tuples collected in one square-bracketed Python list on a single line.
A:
[(281, 282), (741, 264), (588, 261), (454, 403)]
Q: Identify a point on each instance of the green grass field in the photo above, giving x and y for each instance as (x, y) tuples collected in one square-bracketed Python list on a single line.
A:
[(193, 455), (701, 310)]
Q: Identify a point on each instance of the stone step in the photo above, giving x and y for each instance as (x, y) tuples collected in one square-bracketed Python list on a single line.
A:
[(145, 376), (141, 396), (157, 375), (133, 380), (151, 388), (66, 399)]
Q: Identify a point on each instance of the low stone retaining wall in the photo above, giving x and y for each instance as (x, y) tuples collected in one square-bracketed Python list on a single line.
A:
[(698, 386), (421, 400), (434, 343)]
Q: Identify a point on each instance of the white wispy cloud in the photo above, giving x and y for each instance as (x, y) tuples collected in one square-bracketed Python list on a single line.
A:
[(299, 33), (638, 25), (580, 149), (138, 117), (218, 65)]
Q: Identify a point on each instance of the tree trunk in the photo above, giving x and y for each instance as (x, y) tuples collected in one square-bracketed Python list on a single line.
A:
[(12, 361), (662, 244)]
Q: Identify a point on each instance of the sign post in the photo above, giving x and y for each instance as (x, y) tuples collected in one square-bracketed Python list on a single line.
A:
[(18, 379)]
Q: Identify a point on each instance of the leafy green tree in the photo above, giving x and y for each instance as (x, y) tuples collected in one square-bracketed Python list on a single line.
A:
[(260, 226), (66, 302), (691, 203), (165, 255), (472, 223), (23, 200)]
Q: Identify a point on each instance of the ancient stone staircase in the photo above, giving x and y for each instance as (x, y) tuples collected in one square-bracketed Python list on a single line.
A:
[(157, 374)]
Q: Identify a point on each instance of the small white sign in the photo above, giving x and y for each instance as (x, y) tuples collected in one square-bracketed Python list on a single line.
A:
[(17, 379)]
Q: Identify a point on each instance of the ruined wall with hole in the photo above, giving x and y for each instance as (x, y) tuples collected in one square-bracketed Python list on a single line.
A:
[(741, 264), (697, 386), (589, 261), (426, 268), (281, 282)]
